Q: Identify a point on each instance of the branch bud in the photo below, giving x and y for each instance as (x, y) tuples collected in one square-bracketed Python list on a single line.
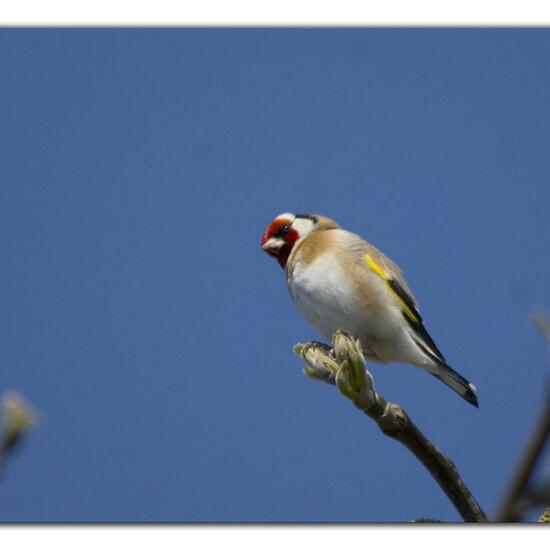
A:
[(319, 365), (17, 418)]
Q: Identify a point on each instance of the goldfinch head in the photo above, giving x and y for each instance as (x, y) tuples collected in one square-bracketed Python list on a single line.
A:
[(286, 229)]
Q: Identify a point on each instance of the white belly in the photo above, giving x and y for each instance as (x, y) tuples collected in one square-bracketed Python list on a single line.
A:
[(328, 300), (324, 297)]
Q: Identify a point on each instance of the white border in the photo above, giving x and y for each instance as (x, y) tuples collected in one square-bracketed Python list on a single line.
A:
[(280, 13), (412, 537)]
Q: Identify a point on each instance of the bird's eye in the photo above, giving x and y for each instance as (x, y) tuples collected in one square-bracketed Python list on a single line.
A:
[(283, 230)]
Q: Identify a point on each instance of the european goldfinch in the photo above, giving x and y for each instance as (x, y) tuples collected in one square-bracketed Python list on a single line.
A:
[(338, 281)]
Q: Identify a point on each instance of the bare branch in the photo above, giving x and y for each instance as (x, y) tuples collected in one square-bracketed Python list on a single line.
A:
[(344, 367), (516, 502)]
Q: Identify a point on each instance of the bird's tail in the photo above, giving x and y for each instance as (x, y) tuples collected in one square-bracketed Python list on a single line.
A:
[(456, 382)]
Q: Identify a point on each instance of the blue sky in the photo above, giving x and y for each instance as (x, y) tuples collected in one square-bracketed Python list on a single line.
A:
[(139, 316)]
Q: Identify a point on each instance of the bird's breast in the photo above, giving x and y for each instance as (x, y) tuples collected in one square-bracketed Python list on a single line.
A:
[(336, 290), (326, 296)]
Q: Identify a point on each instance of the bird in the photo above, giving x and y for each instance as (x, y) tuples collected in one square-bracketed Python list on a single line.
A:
[(339, 281)]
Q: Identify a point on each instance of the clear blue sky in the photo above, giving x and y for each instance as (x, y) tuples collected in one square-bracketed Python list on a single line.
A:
[(138, 315)]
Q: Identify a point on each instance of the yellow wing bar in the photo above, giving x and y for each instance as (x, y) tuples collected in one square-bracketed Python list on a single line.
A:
[(381, 272)]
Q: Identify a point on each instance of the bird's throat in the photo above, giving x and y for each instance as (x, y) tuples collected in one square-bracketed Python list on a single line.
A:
[(283, 255)]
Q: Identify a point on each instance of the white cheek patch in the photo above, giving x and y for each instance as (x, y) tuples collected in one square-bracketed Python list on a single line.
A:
[(303, 226)]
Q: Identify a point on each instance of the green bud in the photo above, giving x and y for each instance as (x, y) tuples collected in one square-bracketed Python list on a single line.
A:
[(545, 517), (341, 344), (348, 351), (541, 320), (315, 355), (317, 374), (343, 382), (319, 365), (18, 416)]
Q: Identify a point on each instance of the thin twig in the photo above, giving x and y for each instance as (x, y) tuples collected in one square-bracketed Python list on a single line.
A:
[(394, 422), (344, 366), (6, 446), (512, 508), (516, 501)]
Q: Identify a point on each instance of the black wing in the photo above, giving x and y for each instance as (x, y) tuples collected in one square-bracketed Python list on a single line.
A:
[(413, 318)]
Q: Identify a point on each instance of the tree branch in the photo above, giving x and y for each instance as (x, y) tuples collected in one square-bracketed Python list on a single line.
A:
[(344, 367), (516, 502)]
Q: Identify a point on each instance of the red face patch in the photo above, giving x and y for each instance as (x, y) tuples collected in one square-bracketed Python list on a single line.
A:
[(274, 230)]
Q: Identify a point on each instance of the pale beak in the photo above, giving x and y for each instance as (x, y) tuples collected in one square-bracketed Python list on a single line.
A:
[(272, 246)]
